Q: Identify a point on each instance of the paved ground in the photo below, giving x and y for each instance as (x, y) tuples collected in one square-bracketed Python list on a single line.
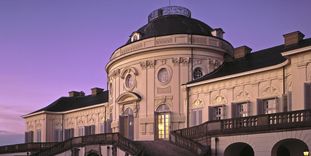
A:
[(163, 148)]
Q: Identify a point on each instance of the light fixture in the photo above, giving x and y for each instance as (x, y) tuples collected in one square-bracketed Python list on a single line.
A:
[(306, 153)]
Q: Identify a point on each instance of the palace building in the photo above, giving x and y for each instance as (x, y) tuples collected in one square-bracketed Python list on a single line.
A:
[(177, 87)]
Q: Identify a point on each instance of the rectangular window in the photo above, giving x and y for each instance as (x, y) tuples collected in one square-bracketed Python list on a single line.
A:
[(89, 130), (38, 135), (58, 135), (267, 106), (69, 133), (29, 137), (196, 117), (217, 113), (240, 109)]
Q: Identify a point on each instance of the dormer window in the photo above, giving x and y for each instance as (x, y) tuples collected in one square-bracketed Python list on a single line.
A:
[(135, 37)]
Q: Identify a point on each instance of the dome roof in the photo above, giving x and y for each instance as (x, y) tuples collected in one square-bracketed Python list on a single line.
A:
[(169, 23)]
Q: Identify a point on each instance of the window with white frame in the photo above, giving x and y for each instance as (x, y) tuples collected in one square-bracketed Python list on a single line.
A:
[(196, 117), (102, 127), (240, 109), (58, 135), (267, 106), (38, 135), (217, 112)]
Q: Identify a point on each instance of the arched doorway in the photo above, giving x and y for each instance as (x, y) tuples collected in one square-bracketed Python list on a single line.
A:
[(92, 154), (127, 123), (239, 149), (289, 147), (162, 122)]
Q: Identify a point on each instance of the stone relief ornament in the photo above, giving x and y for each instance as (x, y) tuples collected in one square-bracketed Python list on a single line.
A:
[(198, 103), (181, 60), (148, 64), (114, 73)]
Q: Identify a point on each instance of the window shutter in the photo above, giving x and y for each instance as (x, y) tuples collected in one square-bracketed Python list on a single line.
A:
[(289, 101), (131, 126), (200, 116), (121, 125), (277, 104), (307, 95), (260, 109), (193, 118), (234, 110), (223, 112), (211, 115), (26, 137), (93, 129)]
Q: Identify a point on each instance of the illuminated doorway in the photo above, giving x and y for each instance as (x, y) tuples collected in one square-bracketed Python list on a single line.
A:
[(162, 122)]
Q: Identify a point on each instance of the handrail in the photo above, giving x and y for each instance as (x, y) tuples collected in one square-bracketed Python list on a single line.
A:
[(104, 139), (251, 124), (189, 144), (26, 147)]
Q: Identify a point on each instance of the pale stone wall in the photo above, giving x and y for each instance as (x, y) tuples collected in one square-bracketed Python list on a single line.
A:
[(261, 143), (179, 54)]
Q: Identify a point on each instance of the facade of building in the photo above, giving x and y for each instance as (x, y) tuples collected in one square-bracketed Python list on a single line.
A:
[(177, 77)]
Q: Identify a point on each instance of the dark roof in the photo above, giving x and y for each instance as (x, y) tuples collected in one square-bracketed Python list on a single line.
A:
[(255, 60), (173, 24), (71, 103)]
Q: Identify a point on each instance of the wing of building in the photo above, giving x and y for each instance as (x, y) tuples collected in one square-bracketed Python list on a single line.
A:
[(178, 85)]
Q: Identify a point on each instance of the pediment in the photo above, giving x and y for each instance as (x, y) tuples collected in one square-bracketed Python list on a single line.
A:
[(128, 97)]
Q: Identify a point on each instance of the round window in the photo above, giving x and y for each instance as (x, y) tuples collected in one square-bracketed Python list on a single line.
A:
[(129, 81), (163, 75), (197, 73)]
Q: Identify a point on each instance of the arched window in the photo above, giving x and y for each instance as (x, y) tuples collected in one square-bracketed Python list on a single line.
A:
[(135, 37), (197, 73)]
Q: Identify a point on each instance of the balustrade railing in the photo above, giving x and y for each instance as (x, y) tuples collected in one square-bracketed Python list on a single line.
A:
[(276, 121), (27, 147), (267, 122), (103, 139)]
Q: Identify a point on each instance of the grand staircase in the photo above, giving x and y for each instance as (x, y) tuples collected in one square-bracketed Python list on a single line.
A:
[(188, 141), (98, 139)]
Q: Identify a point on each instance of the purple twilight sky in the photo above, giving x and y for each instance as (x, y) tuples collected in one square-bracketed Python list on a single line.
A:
[(50, 47)]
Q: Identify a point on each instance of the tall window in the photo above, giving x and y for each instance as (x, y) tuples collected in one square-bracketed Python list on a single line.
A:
[(196, 117), (217, 113), (267, 106), (58, 135), (197, 73), (69, 133), (28, 136), (38, 135), (89, 130), (240, 109)]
